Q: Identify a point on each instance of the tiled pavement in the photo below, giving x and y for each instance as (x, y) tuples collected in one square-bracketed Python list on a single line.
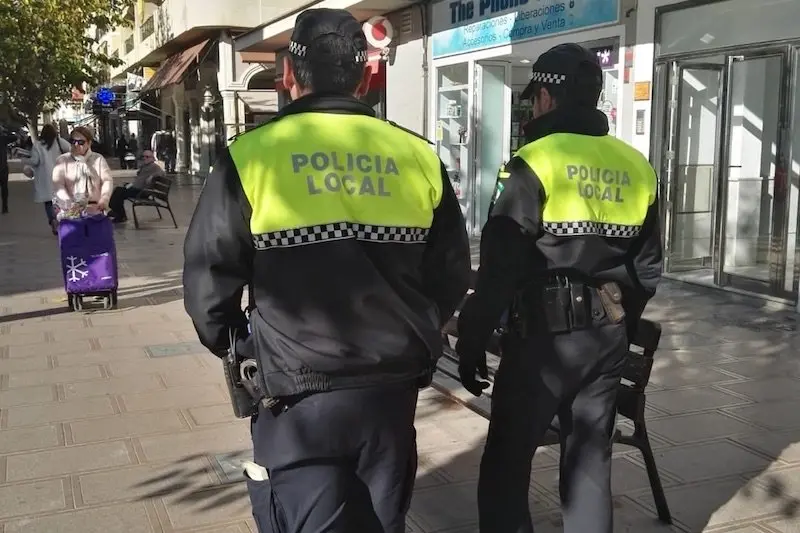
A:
[(118, 422)]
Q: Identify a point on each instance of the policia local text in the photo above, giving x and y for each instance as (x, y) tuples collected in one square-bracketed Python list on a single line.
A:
[(341, 169), (608, 183)]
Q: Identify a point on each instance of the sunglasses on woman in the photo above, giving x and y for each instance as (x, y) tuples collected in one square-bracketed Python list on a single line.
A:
[(78, 142)]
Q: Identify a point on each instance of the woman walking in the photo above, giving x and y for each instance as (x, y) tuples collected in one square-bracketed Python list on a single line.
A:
[(42, 160), (83, 173)]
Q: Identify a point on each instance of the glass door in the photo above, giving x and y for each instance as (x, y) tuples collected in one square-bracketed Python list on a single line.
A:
[(492, 132), (689, 164), (754, 191)]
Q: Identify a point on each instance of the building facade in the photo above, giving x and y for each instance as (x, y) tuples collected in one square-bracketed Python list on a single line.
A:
[(179, 72), (723, 130)]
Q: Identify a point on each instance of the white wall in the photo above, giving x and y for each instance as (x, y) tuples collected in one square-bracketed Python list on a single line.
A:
[(405, 87)]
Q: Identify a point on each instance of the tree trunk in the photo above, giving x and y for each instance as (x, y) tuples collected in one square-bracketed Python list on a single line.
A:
[(33, 127)]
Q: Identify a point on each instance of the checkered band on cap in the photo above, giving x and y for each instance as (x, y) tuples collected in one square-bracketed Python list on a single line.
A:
[(361, 57), (339, 231), (549, 78), (586, 227), (297, 49)]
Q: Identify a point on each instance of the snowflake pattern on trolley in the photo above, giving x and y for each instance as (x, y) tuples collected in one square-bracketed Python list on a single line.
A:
[(77, 269)]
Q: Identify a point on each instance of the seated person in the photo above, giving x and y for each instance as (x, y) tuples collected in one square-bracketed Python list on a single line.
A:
[(149, 170)]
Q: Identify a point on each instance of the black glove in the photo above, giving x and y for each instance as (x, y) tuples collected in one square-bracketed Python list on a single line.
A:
[(471, 362)]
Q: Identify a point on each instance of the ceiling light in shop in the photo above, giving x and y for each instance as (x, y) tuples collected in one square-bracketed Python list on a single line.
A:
[(526, 61)]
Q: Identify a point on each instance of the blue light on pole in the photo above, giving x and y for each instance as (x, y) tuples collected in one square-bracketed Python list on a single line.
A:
[(105, 96)]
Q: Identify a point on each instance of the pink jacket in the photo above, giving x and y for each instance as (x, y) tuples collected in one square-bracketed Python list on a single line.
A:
[(70, 176)]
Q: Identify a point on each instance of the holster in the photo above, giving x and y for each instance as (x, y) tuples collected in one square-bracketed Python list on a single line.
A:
[(242, 401), (611, 298)]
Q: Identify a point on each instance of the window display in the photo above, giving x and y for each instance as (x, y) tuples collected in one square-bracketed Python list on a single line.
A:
[(452, 129)]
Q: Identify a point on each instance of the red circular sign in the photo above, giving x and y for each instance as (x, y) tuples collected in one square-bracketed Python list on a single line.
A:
[(379, 32)]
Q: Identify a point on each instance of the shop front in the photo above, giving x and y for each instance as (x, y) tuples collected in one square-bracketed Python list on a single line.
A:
[(482, 53), (725, 137)]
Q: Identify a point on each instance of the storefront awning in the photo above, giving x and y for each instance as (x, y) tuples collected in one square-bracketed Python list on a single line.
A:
[(175, 68), (260, 101)]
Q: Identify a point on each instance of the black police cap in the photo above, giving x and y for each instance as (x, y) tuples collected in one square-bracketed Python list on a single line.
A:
[(324, 34), (568, 65)]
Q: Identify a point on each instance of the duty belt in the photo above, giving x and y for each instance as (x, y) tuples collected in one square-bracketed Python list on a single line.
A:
[(560, 305)]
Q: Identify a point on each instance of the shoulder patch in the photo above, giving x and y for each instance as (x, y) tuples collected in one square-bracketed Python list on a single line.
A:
[(414, 133)]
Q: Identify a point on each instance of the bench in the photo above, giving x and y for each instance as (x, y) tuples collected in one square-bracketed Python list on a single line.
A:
[(630, 398), (155, 195)]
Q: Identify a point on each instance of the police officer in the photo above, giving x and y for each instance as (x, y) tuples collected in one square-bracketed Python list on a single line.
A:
[(349, 235), (576, 223)]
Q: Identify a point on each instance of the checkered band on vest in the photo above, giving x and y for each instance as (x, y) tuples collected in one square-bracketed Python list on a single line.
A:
[(549, 78), (591, 228), (339, 231)]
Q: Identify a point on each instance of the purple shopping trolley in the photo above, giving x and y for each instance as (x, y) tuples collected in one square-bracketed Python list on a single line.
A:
[(88, 260)]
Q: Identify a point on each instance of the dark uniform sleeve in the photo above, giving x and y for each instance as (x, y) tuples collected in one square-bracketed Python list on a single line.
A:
[(446, 267), (645, 258), (506, 255), (218, 257)]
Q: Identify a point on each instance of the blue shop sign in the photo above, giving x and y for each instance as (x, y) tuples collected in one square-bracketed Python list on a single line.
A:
[(467, 25)]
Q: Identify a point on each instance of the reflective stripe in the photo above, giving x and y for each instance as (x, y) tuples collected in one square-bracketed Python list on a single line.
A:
[(339, 231), (586, 227)]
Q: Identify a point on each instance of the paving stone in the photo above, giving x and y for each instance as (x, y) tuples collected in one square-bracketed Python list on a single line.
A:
[(762, 348), (223, 438), (784, 446), (34, 350), (715, 504), (149, 481), (782, 525), (206, 376), (27, 396), (180, 348), (175, 398), (125, 341), (95, 357), (699, 426), (217, 505), (31, 498), (767, 390), (24, 365), (55, 375), (126, 425), (230, 466), (33, 415), (16, 440), (67, 460), (128, 518), (212, 414), (178, 364), (695, 399), (681, 376), (126, 385), (23, 339), (776, 416), (762, 367), (74, 334), (709, 460)]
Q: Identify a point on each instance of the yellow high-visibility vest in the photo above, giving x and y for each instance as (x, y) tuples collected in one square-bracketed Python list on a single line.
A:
[(314, 177), (592, 185)]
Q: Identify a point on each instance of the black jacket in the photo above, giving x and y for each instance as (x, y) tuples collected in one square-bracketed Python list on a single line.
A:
[(333, 314), (511, 254)]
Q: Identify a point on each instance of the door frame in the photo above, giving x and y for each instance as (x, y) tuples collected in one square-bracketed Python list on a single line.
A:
[(669, 68), (780, 208), (671, 154), (475, 144)]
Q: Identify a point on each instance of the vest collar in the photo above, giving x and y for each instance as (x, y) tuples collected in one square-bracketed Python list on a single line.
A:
[(578, 120), (327, 103)]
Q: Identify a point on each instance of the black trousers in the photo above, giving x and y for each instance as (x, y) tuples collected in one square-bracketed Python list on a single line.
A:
[(574, 376), (4, 189), (338, 462), (116, 204)]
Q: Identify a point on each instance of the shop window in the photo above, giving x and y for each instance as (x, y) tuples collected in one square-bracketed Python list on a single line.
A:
[(452, 116)]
